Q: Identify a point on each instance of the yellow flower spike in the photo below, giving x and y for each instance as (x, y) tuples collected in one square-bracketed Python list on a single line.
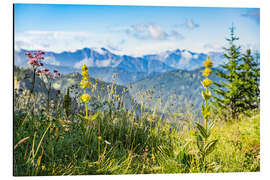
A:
[(206, 94), (207, 72), (85, 74), (85, 98), (208, 63), (84, 78), (207, 82), (84, 68), (85, 84)]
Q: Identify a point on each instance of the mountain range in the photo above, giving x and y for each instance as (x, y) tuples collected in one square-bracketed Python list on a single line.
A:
[(103, 63)]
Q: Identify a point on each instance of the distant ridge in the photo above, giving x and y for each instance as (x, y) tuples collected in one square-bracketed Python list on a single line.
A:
[(102, 57)]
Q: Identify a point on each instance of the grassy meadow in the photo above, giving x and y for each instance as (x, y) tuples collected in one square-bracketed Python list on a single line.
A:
[(55, 140)]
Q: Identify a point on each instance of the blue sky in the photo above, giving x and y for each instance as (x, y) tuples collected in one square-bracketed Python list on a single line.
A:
[(133, 30)]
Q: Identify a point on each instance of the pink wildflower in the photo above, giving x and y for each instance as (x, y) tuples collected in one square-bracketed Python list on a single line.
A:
[(40, 57), (40, 52)]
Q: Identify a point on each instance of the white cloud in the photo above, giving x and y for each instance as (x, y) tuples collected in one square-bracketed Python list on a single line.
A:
[(51, 60), (208, 48), (152, 31), (212, 48), (190, 24), (156, 32), (252, 47), (58, 41), (147, 31)]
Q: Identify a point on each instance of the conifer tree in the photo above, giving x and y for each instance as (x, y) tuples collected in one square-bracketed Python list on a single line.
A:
[(249, 75), (238, 91), (227, 98)]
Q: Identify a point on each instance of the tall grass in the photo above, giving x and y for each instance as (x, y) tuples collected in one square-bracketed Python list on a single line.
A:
[(122, 139)]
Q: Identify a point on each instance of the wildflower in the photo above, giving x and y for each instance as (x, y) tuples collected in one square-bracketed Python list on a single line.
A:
[(99, 138), (85, 84), (85, 97), (84, 68), (208, 63), (40, 57), (34, 60), (45, 70), (206, 94), (56, 75), (207, 72), (207, 82), (40, 52), (85, 74)]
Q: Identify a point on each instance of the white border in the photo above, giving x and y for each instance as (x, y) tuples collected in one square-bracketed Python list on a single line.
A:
[(201, 3), (6, 81)]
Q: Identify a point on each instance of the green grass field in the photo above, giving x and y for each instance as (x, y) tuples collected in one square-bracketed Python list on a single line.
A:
[(117, 140)]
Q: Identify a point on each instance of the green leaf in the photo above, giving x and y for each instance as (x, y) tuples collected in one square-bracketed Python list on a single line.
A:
[(202, 110), (95, 116), (203, 95), (202, 130), (210, 147), (210, 126), (199, 142), (208, 109), (82, 117)]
